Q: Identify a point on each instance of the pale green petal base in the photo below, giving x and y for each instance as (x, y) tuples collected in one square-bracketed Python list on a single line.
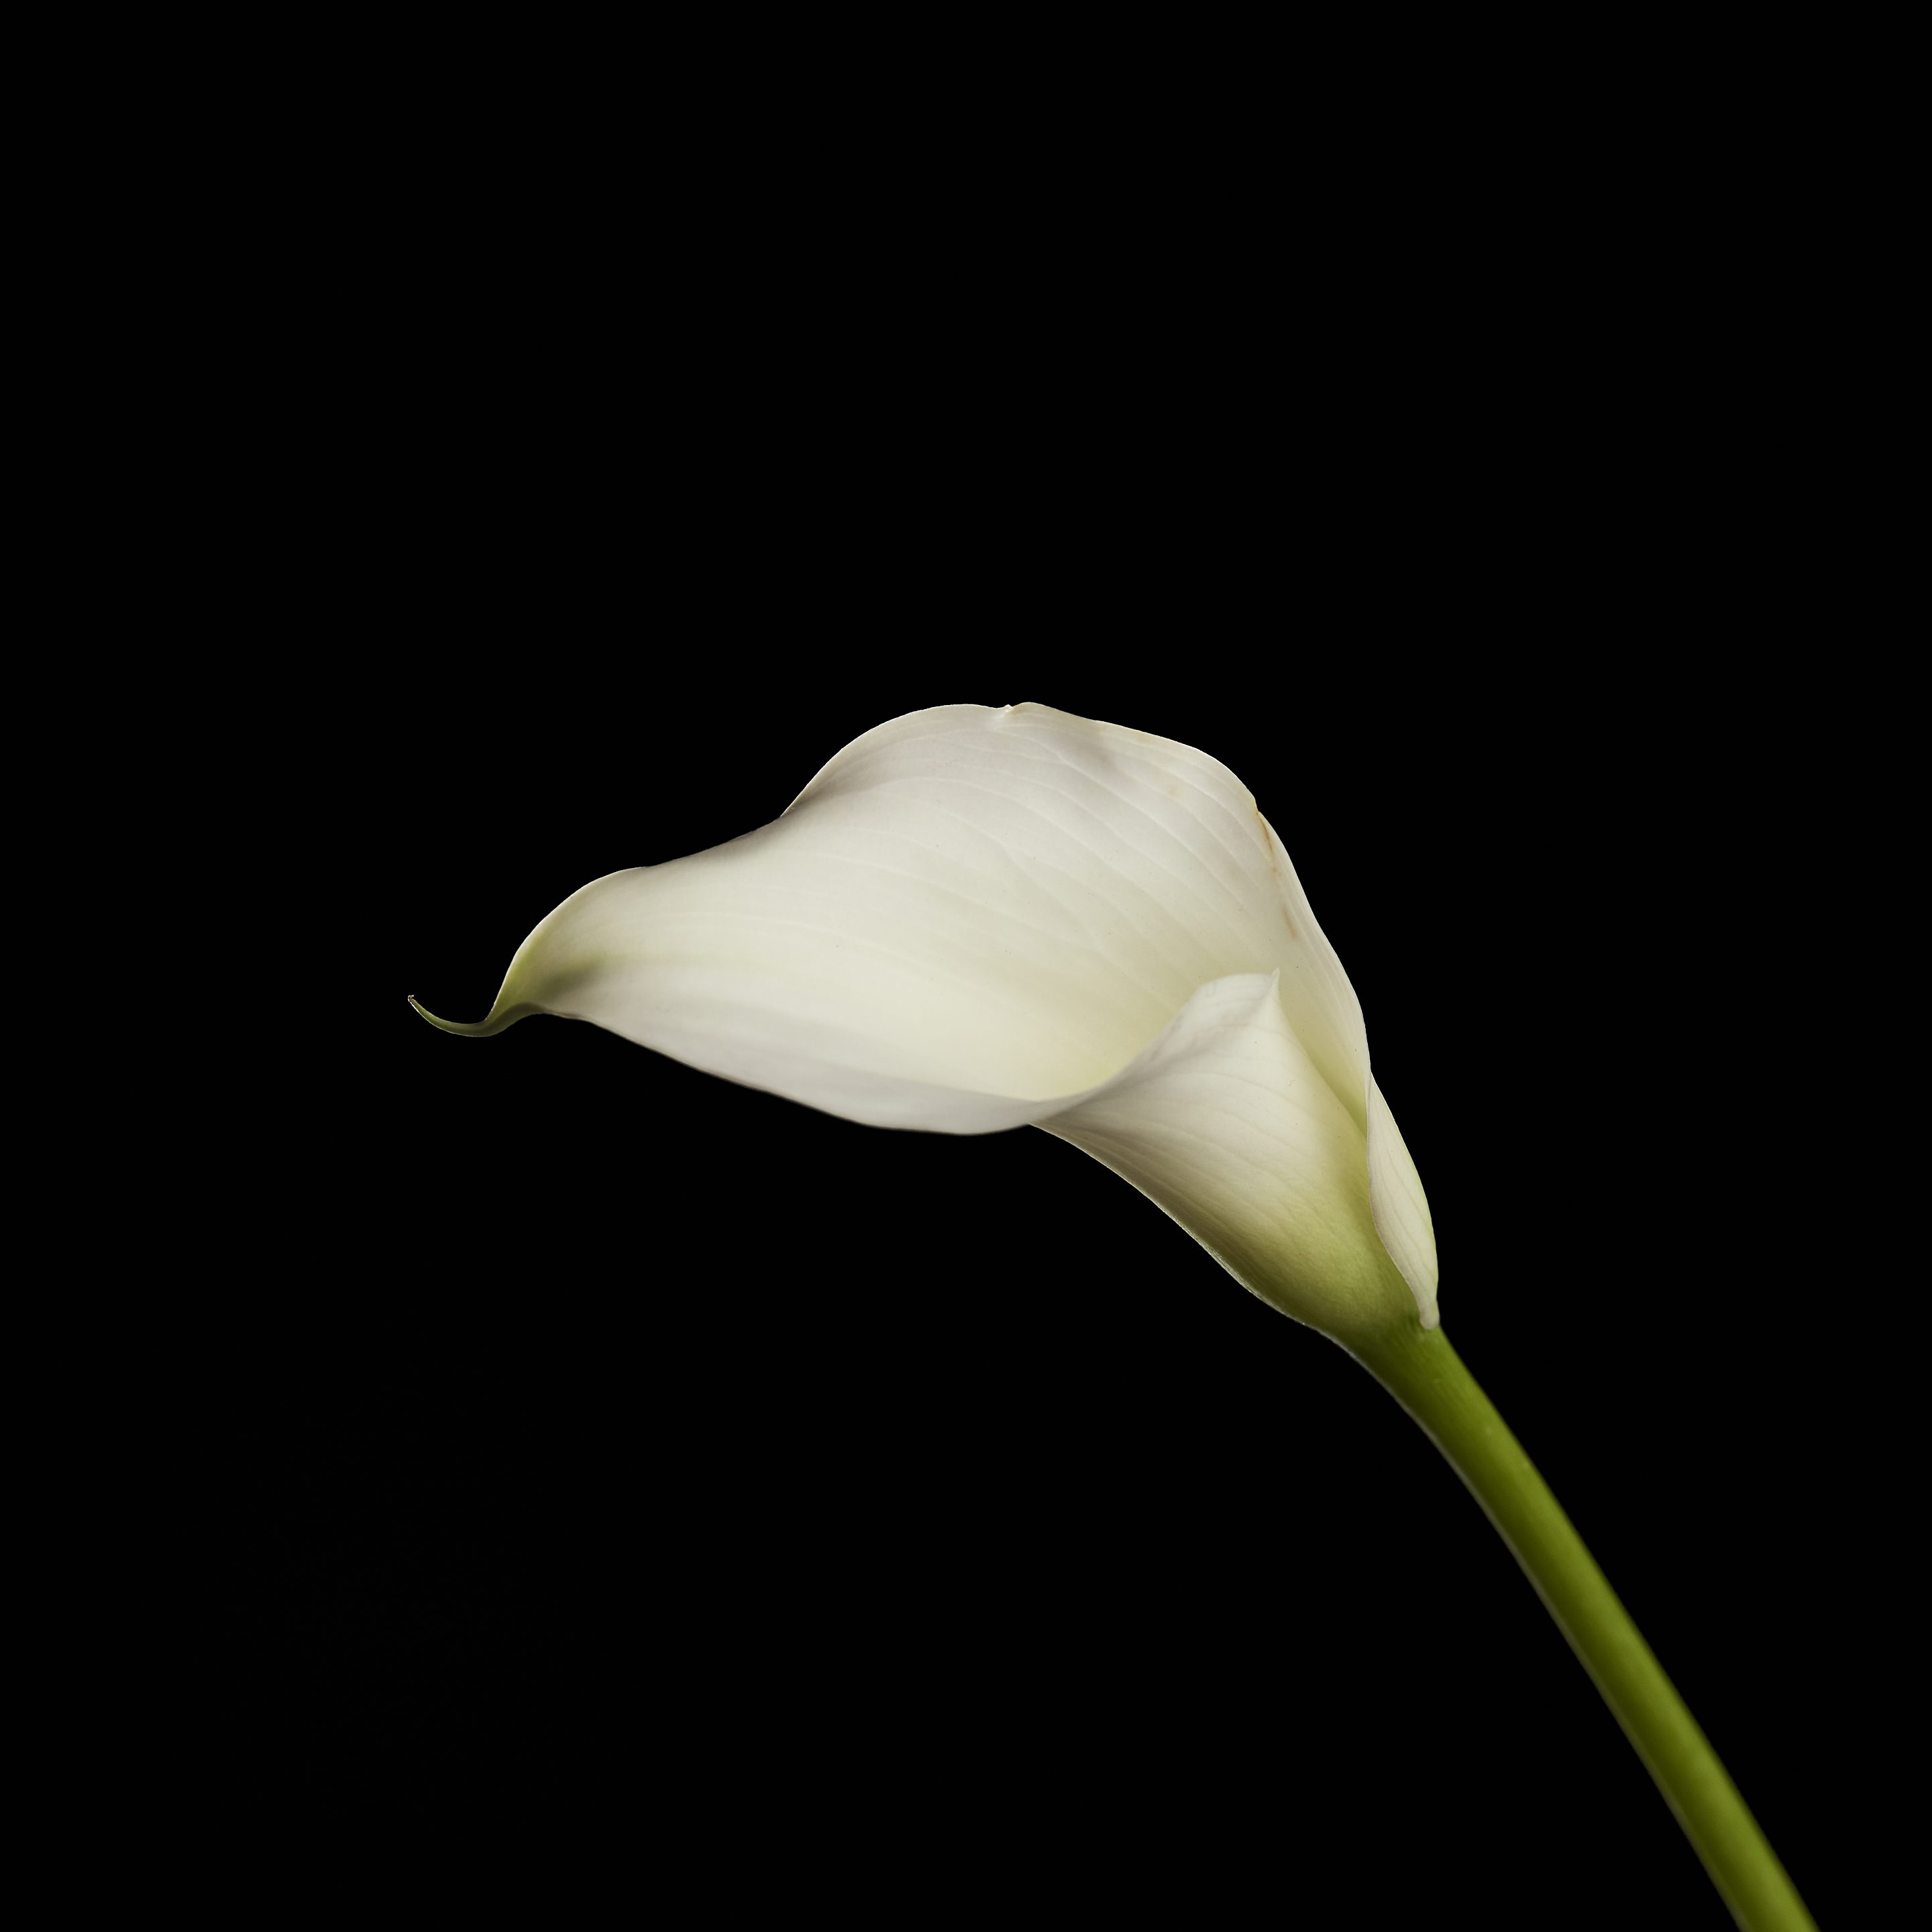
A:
[(1424, 1374)]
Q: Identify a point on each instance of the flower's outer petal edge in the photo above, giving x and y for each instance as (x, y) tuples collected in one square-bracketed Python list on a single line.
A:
[(1402, 1219)]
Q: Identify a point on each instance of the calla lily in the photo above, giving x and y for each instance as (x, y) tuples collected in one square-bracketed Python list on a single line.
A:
[(974, 920)]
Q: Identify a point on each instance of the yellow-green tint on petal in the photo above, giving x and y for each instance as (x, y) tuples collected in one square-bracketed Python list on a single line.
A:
[(1225, 1123), (1402, 1219)]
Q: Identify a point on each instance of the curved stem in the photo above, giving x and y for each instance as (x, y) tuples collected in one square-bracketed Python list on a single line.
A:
[(1424, 1374)]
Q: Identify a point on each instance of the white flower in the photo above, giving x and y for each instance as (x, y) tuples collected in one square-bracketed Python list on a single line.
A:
[(974, 920)]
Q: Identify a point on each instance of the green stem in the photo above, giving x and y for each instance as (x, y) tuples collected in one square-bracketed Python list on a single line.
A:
[(1424, 1374)]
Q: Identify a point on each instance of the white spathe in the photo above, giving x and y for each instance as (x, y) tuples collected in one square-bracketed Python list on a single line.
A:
[(974, 920)]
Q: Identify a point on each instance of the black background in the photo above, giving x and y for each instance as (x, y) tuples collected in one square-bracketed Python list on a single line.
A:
[(702, 1487)]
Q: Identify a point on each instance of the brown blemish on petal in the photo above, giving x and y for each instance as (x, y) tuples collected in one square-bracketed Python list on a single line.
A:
[(1274, 865)]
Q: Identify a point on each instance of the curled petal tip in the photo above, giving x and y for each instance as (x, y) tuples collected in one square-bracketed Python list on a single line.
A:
[(473, 1029)]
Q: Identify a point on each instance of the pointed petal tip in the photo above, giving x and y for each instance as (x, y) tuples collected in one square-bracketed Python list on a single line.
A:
[(472, 1030)]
